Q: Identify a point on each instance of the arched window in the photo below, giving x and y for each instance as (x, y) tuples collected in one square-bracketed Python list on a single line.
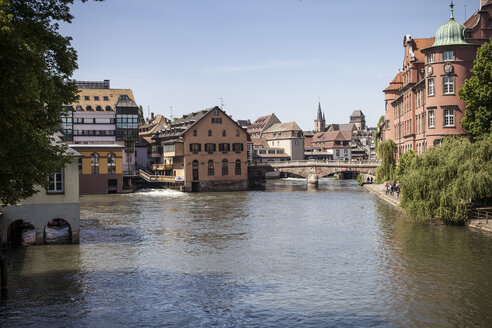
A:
[(99, 108), (108, 108), (78, 108), (195, 133), (80, 165), (88, 108), (225, 167), (211, 170), (209, 133), (237, 133), (224, 133), (195, 169), (95, 163), (237, 167), (111, 163)]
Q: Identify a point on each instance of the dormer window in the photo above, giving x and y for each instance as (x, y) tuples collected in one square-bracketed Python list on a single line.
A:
[(448, 55)]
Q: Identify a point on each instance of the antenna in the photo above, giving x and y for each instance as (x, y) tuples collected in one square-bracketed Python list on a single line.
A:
[(221, 103), (171, 113), (465, 11)]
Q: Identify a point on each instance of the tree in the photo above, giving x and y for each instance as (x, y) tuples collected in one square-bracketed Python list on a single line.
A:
[(36, 63), (477, 94), (141, 118), (386, 152), (403, 163), (446, 180)]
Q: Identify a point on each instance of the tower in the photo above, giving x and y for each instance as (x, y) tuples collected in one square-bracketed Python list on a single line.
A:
[(319, 122)]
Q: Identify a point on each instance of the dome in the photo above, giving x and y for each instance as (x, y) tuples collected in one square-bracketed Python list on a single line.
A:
[(450, 34)]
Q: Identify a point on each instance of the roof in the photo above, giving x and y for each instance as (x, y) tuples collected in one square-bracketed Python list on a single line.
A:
[(56, 141), (338, 135), (475, 18), (244, 123), (96, 97), (273, 155), (342, 127), (90, 146), (281, 127), (260, 123), (396, 84), (153, 125), (357, 113), (421, 44)]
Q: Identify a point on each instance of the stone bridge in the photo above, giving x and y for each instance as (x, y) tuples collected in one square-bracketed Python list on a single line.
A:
[(313, 170)]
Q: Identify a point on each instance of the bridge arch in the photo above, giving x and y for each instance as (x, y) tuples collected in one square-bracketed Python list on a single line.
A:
[(57, 231)]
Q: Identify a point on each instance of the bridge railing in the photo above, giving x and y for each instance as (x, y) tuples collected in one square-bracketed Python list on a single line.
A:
[(332, 162)]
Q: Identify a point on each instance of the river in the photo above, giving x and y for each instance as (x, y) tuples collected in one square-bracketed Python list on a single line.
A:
[(336, 256)]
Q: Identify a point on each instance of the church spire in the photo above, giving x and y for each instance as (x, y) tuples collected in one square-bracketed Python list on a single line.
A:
[(320, 117)]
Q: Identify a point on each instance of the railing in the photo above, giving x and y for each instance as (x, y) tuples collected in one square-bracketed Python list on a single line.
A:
[(481, 213), (156, 178), (160, 167), (329, 162)]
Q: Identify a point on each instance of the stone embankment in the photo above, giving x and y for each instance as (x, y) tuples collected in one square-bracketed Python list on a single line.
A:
[(378, 189)]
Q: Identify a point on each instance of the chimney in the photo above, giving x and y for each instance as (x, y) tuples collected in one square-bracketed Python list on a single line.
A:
[(152, 115)]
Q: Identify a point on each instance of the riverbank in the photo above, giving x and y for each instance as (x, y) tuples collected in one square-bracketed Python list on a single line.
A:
[(378, 189)]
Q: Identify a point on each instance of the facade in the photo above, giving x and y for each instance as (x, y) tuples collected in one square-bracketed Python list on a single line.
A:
[(205, 151), (287, 136), (59, 201), (262, 123), (103, 119), (146, 149), (332, 145), (359, 119), (421, 103)]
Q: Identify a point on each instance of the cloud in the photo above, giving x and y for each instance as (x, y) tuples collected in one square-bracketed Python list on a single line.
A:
[(276, 64)]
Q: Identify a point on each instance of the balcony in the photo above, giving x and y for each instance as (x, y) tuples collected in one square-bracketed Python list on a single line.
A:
[(162, 167)]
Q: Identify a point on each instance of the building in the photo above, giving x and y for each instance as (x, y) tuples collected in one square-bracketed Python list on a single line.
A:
[(204, 151), (287, 136), (146, 149), (359, 119), (102, 125), (319, 122), (332, 145), (59, 201), (421, 103), (262, 123)]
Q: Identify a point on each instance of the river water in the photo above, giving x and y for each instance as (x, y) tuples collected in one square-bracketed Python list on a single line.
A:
[(336, 256)]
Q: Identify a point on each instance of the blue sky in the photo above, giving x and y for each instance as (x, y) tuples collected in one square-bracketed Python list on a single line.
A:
[(260, 56)]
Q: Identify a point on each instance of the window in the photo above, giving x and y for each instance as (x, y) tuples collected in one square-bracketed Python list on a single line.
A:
[(194, 147), (449, 117), (217, 120), (95, 163), (87, 98), (225, 167), (216, 112), (224, 133), (78, 120), (224, 147), (386, 106), (431, 87), (111, 163), (338, 152), (209, 133), (105, 98), (78, 108), (89, 108), (108, 108), (56, 182), (237, 147), (195, 133), (99, 108), (448, 85), (96, 98), (237, 133), (211, 170), (431, 117), (237, 167), (430, 58), (448, 55), (210, 147)]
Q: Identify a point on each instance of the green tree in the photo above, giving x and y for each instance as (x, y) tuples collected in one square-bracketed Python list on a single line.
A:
[(386, 152), (36, 63), (477, 94), (444, 181), (403, 163), (141, 118)]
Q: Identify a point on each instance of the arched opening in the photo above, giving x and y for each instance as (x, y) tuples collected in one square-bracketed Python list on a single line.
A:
[(237, 167), (78, 108), (95, 163), (211, 168), (88, 108), (99, 108), (195, 168), (20, 233), (108, 108), (225, 167), (57, 231)]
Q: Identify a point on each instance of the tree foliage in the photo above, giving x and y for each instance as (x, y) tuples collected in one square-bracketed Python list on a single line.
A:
[(386, 152), (36, 63), (445, 180), (477, 94), (141, 118), (403, 163)]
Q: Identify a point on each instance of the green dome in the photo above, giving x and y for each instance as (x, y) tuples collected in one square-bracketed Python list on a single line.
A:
[(451, 33)]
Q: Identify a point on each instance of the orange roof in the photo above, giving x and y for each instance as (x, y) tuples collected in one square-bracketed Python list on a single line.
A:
[(422, 44), (396, 83), (473, 20)]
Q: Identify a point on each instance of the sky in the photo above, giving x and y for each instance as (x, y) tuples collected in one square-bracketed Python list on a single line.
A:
[(259, 56)]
